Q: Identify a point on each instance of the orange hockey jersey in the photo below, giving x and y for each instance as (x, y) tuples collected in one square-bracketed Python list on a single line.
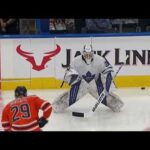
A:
[(22, 114)]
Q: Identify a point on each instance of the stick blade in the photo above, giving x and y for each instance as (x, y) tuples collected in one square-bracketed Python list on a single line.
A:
[(77, 114), (84, 115)]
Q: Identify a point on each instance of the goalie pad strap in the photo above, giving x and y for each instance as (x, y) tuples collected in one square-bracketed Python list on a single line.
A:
[(100, 88), (108, 81), (73, 93)]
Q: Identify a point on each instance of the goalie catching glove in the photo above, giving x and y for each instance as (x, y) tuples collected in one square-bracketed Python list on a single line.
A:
[(72, 76), (42, 122)]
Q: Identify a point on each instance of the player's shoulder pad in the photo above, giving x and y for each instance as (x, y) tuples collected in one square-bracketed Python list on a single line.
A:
[(77, 58), (32, 96), (98, 58)]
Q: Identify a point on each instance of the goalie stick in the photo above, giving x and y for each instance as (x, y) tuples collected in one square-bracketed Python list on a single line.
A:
[(100, 99), (90, 113), (117, 73), (64, 77)]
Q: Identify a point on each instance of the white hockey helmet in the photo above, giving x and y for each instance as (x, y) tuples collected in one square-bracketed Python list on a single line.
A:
[(88, 54)]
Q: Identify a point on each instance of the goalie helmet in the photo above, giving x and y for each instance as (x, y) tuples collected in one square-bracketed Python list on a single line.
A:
[(88, 54), (20, 91)]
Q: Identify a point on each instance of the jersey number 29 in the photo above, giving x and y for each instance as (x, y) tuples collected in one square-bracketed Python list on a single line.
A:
[(23, 109)]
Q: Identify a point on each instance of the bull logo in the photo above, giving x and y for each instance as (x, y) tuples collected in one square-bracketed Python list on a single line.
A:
[(31, 59)]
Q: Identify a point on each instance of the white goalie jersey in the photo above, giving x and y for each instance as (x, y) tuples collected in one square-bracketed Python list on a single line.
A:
[(92, 76), (99, 65)]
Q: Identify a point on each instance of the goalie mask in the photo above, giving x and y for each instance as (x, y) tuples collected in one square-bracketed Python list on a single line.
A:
[(88, 54)]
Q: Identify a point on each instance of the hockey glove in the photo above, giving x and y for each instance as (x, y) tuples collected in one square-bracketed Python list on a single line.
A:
[(74, 79), (42, 122)]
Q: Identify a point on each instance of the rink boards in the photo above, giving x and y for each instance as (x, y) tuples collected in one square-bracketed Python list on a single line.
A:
[(40, 63)]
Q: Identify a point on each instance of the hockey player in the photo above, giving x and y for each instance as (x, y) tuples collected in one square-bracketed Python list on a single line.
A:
[(21, 114), (88, 73)]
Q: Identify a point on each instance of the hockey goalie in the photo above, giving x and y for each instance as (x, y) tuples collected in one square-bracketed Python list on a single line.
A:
[(88, 73)]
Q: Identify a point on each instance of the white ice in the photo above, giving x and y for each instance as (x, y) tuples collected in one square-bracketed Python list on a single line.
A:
[(135, 115)]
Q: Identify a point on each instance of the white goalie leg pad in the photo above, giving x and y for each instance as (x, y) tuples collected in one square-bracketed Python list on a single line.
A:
[(77, 92), (61, 102), (93, 89), (83, 90), (114, 102)]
